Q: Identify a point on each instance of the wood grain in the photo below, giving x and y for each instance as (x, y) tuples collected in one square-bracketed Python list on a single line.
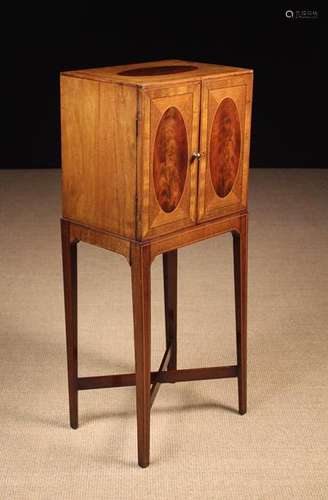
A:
[(162, 367), (113, 74), (240, 243), (162, 376), (170, 275), (98, 123), (69, 256), (222, 181), (224, 146), (101, 239), (140, 275), (170, 159), (154, 104), (157, 70), (189, 235)]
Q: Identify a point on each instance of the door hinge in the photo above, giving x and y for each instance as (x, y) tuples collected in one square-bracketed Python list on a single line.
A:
[(137, 122), (138, 114)]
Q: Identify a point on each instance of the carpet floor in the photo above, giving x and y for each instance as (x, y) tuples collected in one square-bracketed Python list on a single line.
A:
[(201, 448)]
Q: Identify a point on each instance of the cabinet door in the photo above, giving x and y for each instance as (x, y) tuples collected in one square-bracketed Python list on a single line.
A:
[(224, 146), (167, 176)]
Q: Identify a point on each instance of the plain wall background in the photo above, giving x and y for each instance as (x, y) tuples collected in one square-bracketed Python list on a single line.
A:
[(290, 87)]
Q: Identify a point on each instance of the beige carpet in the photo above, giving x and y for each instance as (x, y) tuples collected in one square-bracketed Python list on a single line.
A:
[(201, 448)]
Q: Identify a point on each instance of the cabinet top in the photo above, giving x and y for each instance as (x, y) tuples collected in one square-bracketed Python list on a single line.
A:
[(155, 72)]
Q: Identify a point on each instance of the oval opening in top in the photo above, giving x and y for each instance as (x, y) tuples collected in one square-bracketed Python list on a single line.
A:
[(157, 70)]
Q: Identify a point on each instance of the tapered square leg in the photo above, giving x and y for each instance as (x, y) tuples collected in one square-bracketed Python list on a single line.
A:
[(170, 262), (240, 274), (140, 272), (69, 255)]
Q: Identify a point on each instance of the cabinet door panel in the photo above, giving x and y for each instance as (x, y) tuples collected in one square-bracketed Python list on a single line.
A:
[(167, 138), (223, 168)]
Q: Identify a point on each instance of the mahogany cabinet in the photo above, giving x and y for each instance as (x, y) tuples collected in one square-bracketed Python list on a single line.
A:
[(154, 157)]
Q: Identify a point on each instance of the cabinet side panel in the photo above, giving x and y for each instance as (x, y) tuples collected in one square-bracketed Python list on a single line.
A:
[(248, 122), (98, 126)]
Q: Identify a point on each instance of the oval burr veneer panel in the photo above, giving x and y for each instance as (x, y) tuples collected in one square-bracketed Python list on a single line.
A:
[(170, 161), (157, 70), (225, 143)]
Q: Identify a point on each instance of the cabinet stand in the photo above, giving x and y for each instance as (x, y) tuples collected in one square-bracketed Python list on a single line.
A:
[(140, 256)]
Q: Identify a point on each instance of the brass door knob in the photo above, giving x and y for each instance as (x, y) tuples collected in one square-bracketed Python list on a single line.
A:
[(196, 156)]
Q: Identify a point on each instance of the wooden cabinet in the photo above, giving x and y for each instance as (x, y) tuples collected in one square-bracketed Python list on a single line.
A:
[(154, 157), (131, 138)]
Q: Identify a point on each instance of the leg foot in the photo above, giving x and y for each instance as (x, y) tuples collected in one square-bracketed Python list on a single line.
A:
[(69, 255), (240, 275), (140, 271)]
